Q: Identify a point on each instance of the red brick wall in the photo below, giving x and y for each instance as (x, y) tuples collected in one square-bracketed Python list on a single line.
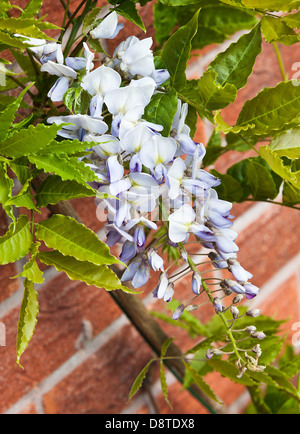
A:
[(85, 354)]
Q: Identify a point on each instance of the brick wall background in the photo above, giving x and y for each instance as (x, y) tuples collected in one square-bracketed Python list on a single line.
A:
[(85, 354)]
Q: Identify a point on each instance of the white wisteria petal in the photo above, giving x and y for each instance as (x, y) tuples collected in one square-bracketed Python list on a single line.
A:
[(136, 138), (101, 81), (146, 85), (58, 69), (108, 28), (161, 151), (107, 145), (126, 101), (180, 223), (89, 56), (56, 93)]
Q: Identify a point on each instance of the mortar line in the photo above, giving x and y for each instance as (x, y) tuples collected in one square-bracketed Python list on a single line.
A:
[(63, 371)]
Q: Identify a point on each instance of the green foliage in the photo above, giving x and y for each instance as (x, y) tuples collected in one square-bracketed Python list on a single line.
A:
[(162, 109), (27, 319), (71, 238), (48, 168)]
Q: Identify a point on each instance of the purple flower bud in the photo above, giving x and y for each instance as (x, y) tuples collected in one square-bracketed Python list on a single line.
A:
[(128, 251), (233, 286), (217, 260), (76, 63), (234, 312), (139, 238), (240, 274), (237, 299), (178, 312), (251, 329), (210, 354), (251, 290), (169, 292), (218, 305), (196, 283), (257, 350), (258, 335), (253, 313)]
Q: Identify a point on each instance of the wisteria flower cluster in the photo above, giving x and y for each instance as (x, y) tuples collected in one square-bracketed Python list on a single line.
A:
[(155, 184)]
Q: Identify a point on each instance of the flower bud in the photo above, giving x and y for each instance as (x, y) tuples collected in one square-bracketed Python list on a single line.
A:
[(253, 313), (234, 312), (237, 299), (257, 350), (218, 305), (178, 312), (232, 286), (191, 307), (183, 254), (251, 329), (258, 335), (210, 353), (169, 292), (196, 283)]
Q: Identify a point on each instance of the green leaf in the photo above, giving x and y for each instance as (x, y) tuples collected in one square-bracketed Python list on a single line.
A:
[(24, 198), (74, 239), (218, 22), (69, 147), (7, 116), (32, 8), (201, 383), (16, 243), (290, 194), (29, 140), (68, 168), (278, 166), (272, 5), (227, 369), (27, 319), (221, 125), (235, 65), (282, 381), (272, 110), (292, 20), (6, 185), (162, 109), (165, 19), (11, 41), (20, 167), (208, 94), (31, 270), (261, 182), (26, 27), (4, 6), (276, 30), (91, 274), (177, 52), (230, 188), (139, 380), (129, 11), (54, 190), (287, 144)]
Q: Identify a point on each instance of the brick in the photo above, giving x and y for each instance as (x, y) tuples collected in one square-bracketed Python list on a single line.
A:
[(269, 243), (64, 305), (29, 409), (283, 304), (102, 384)]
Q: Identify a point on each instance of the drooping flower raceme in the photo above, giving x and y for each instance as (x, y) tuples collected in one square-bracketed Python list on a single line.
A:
[(159, 196)]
